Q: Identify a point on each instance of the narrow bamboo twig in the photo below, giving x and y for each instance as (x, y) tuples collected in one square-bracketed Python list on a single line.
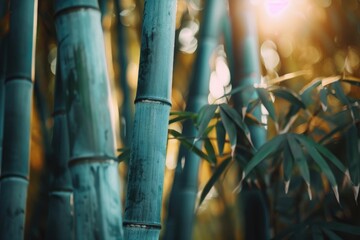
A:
[(92, 162), (185, 186), (60, 215), (18, 92), (152, 108)]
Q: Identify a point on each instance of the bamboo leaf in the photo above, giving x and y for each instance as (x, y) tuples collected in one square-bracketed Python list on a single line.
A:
[(181, 116), (306, 92), (316, 233), (206, 114), (239, 90), (268, 149), (210, 150), (316, 156), (299, 157), (125, 155), (329, 155), (220, 136), (339, 93), (352, 153), (230, 129), (323, 98), (341, 227), (288, 162), (235, 117), (288, 95), (267, 102), (219, 170), (331, 234), (189, 145)]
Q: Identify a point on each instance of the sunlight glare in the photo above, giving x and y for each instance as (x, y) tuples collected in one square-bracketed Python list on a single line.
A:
[(276, 7)]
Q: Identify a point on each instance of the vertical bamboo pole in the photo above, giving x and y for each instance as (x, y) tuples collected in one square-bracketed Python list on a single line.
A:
[(60, 216), (246, 71), (152, 107), (186, 185), (88, 103), (3, 50), (126, 108), (18, 90)]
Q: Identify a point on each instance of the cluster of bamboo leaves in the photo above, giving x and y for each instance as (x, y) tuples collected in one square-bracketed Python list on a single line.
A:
[(296, 149)]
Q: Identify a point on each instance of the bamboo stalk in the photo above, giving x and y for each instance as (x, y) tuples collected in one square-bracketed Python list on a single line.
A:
[(152, 108), (60, 218), (186, 185), (126, 109), (18, 90), (246, 71), (3, 50), (92, 162)]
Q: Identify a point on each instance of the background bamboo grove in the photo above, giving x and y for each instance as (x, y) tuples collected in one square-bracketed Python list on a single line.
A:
[(179, 119)]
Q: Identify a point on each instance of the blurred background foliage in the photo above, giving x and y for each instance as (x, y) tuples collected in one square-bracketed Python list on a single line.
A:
[(299, 40)]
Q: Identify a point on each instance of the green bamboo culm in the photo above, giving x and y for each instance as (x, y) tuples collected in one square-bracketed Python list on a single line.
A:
[(3, 50), (126, 108), (16, 144), (246, 71), (60, 222), (185, 187), (152, 108), (92, 160)]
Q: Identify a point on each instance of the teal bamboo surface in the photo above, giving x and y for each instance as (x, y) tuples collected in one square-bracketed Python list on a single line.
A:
[(3, 50), (246, 71), (60, 217), (126, 108), (92, 162), (152, 108), (18, 92), (181, 220)]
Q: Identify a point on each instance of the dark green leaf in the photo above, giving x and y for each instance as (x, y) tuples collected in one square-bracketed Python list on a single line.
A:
[(210, 150), (308, 144), (268, 149), (181, 116), (239, 90), (219, 170), (206, 114), (323, 98), (220, 136), (329, 155), (267, 102), (189, 145), (235, 117), (229, 127), (341, 227), (339, 93), (331, 235), (288, 162), (299, 157), (306, 92), (352, 152), (125, 155), (316, 233), (288, 95)]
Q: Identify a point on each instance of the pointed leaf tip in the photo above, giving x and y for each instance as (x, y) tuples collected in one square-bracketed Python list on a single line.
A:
[(356, 192), (238, 188), (243, 176), (336, 192), (233, 147), (287, 184), (309, 191)]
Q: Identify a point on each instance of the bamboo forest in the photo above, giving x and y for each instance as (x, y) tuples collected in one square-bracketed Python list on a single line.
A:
[(179, 119)]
